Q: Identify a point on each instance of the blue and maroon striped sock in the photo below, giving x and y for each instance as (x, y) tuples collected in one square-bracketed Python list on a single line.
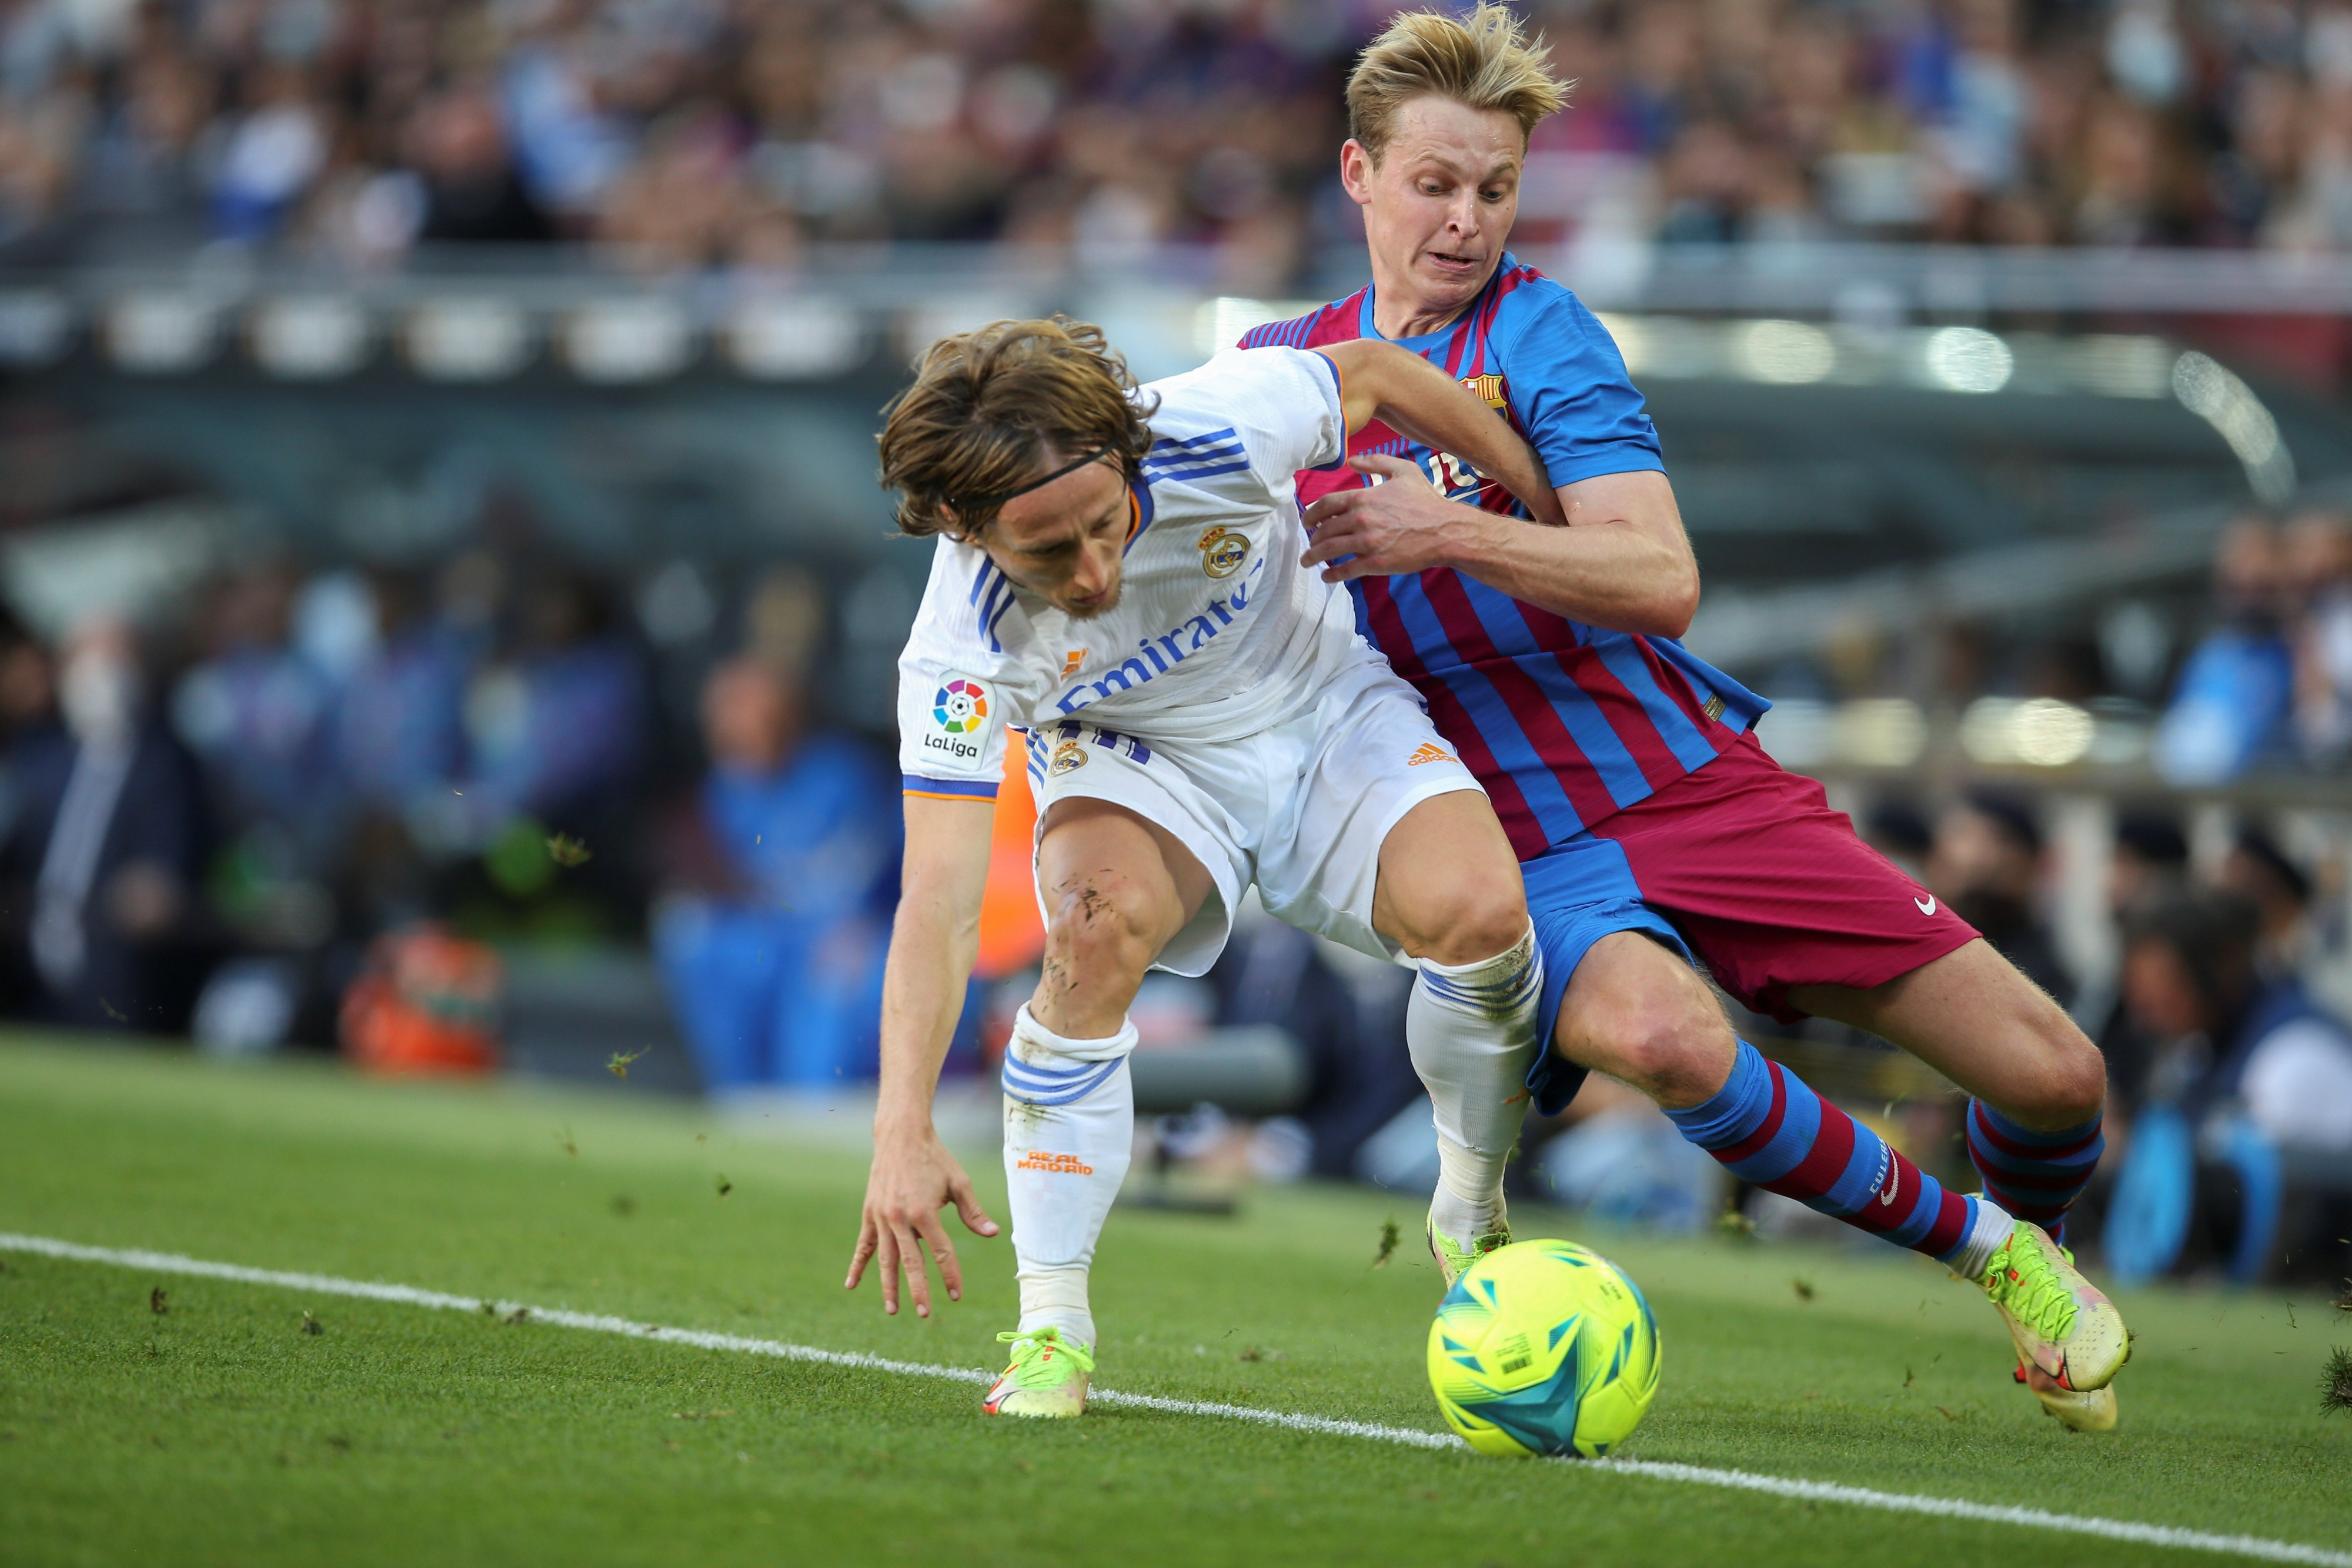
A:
[(2035, 1175), (1769, 1129)]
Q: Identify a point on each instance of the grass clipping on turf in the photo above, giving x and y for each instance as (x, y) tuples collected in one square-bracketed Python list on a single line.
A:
[(2335, 1383)]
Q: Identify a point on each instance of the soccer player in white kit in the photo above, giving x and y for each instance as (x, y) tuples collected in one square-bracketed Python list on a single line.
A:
[(1118, 574)]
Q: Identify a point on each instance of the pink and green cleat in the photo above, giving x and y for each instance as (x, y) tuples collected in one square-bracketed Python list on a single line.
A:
[(1048, 1377), (2064, 1328)]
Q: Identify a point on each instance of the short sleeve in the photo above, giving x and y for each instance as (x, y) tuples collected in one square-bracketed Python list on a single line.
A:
[(1573, 398), (958, 684), (1279, 406)]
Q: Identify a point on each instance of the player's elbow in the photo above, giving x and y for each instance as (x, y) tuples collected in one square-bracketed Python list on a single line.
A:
[(1673, 602)]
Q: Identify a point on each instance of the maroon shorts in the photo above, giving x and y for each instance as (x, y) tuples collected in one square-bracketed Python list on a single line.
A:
[(1771, 888)]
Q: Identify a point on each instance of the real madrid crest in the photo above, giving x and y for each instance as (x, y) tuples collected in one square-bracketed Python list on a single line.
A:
[(1068, 758), (1222, 551)]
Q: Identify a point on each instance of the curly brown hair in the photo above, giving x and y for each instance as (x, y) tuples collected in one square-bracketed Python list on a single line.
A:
[(995, 410)]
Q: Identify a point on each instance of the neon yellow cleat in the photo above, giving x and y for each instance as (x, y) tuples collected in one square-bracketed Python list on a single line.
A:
[(1048, 1377), (2063, 1325), (2091, 1412), (1452, 1259)]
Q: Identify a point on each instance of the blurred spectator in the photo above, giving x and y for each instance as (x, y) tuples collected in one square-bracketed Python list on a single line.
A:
[(1986, 864), (258, 715), (472, 191), (555, 728), (2319, 560), (101, 864), (2235, 692), (1897, 829), (2233, 1036), (2258, 871), (2148, 863), (773, 931), (401, 731), (2252, 1079)]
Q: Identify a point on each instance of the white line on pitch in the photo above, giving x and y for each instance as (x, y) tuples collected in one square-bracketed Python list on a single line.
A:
[(1652, 1469)]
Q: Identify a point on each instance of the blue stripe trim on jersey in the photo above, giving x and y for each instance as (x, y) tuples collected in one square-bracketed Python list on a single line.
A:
[(1741, 707), (1673, 726), (1228, 436), (974, 789), (987, 570), (1186, 476), (1167, 467), (1141, 490), (1338, 385), (1496, 725), (1175, 461)]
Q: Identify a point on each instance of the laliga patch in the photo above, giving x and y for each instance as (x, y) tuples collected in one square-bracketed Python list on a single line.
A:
[(956, 736), (1222, 551)]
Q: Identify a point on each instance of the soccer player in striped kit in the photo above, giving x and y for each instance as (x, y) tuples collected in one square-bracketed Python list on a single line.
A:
[(1651, 827)]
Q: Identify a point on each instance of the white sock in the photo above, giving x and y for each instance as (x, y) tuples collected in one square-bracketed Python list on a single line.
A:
[(1992, 1229), (1070, 1129), (1472, 1031)]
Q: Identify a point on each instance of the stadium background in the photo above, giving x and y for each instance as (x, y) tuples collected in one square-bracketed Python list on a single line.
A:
[(449, 427)]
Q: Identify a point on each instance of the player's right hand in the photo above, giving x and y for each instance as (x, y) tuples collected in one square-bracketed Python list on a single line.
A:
[(912, 1178)]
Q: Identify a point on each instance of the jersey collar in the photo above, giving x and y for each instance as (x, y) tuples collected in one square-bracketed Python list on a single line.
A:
[(1428, 341), (1138, 517)]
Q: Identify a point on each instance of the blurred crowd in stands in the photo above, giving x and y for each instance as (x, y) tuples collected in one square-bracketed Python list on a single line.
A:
[(2271, 686), (308, 811), (728, 133)]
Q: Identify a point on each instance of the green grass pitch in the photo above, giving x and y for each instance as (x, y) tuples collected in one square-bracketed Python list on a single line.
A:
[(219, 1431)]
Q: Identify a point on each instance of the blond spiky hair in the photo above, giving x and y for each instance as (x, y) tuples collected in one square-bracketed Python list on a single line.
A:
[(1481, 59)]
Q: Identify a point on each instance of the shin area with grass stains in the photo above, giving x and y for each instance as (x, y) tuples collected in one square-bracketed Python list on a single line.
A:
[(195, 1420)]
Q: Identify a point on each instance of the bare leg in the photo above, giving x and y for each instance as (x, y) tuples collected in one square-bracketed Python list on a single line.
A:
[(1974, 1018)]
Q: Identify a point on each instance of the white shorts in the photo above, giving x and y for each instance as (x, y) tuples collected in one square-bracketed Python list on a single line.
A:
[(1300, 808)]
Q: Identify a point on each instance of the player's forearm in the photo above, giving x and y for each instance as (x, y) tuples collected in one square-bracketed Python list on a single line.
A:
[(1608, 574), (932, 947), (1424, 404), (934, 938)]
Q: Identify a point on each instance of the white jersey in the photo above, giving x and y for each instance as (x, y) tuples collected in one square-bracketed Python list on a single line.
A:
[(1218, 633)]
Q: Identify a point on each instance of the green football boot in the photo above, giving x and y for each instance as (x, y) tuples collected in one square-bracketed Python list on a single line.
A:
[(1452, 1259), (2064, 1328), (1048, 1377)]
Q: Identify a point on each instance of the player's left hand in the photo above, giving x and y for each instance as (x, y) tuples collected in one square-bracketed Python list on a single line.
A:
[(1401, 524)]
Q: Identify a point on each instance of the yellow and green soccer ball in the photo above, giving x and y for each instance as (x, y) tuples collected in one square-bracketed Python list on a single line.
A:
[(1544, 1347)]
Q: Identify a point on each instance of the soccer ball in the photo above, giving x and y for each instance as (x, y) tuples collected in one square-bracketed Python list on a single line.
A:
[(1543, 1347)]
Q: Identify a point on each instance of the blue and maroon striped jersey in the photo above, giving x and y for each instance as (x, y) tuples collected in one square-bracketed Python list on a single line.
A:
[(1565, 723)]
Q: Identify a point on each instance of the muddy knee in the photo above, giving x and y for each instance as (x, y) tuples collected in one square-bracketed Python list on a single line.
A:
[(1101, 934)]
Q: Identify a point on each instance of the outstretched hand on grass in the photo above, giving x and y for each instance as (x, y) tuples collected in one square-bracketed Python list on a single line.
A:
[(912, 1178)]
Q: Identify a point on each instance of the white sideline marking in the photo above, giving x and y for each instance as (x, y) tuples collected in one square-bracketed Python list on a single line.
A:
[(1740, 1481)]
